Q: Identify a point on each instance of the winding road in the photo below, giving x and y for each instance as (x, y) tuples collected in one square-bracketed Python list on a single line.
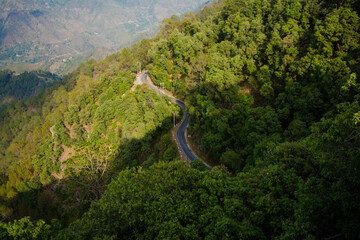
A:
[(181, 131)]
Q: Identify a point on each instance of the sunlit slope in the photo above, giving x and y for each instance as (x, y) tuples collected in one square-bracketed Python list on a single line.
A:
[(53, 34)]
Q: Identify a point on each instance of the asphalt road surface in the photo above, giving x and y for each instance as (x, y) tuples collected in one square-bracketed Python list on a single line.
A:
[(181, 131)]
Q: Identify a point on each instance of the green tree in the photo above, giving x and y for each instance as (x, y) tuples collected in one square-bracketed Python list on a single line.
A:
[(198, 164), (170, 154), (26, 229)]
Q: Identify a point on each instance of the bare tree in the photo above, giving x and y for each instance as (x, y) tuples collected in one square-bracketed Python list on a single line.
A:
[(88, 170)]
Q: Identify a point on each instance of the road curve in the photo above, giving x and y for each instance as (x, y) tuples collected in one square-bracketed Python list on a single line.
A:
[(181, 131)]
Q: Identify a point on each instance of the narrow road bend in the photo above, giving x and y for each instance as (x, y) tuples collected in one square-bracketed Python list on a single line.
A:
[(181, 131)]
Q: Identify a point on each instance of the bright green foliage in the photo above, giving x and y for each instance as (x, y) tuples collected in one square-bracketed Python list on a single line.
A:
[(273, 92), (78, 135), (46, 161), (25, 229), (72, 116)]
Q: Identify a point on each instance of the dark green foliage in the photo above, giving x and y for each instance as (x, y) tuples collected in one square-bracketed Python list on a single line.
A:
[(22, 86), (169, 154), (232, 160), (273, 94), (198, 164), (150, 161), (164, 202), (298, 61), (172, 201)]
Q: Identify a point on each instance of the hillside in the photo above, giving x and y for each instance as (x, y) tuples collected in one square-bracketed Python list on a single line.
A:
[(273, 94), (14, 87), (56, 35)]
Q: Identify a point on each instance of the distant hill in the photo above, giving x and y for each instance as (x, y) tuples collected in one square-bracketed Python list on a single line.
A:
[(15, 86), (56, 35)]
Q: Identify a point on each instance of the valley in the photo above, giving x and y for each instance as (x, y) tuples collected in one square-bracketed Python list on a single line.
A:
[(57, 35)]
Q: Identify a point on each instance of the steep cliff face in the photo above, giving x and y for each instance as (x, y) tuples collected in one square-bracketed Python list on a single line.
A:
[(51, 34)]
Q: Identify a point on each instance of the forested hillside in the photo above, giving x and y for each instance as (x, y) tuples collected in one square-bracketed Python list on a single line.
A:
[(273, 95), (14, 87), (60, 149)]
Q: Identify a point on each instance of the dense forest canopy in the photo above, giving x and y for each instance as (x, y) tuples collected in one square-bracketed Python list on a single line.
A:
[(14, 87), (273, 93)]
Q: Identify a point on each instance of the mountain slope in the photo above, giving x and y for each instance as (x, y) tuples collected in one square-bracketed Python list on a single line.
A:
[(273, 96), (22, 86), (51, 34)]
